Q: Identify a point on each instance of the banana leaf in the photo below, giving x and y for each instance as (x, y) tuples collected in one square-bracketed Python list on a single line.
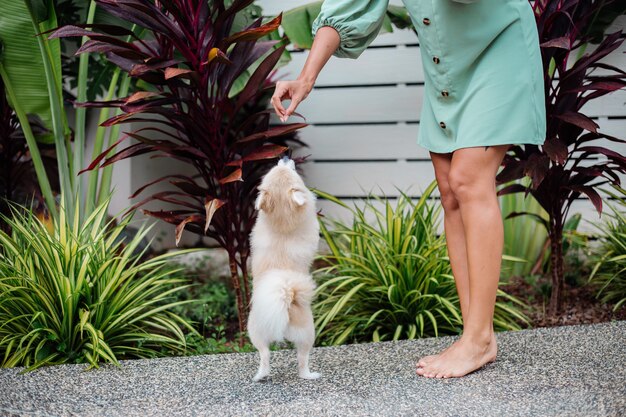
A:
[(22, 60)]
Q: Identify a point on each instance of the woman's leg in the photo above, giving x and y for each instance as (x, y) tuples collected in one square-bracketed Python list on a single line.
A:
[(472, 181), (455, 235)]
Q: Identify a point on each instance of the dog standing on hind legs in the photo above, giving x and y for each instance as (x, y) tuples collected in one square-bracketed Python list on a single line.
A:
[(284, 242)]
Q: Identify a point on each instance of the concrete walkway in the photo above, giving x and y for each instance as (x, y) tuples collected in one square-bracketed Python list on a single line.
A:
[(566, 371)]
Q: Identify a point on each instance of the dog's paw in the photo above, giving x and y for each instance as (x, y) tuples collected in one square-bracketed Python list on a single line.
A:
[(260, 376), (309, 375)]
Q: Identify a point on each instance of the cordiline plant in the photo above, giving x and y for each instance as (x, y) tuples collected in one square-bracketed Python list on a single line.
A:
[(80, 293), (191, 59), (570, 163), (388, 276)]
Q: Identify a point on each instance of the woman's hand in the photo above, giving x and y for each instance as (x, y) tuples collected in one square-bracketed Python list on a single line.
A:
[(296, 91), (325, 43)]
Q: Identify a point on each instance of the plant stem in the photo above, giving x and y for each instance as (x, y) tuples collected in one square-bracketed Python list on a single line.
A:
[(556, 261), (33, 148), (234, 275), (105, 113), (107, 172), (81, 113), (66, 176)]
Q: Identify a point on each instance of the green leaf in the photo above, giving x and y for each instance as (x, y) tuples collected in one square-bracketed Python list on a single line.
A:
[(22, 59)]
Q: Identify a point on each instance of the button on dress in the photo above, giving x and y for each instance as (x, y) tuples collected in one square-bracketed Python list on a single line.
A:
[(482, 64)]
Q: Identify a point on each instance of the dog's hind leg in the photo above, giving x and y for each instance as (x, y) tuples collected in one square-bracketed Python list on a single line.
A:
[(261, 344), (264, 367), (303, 338), (304, 349)]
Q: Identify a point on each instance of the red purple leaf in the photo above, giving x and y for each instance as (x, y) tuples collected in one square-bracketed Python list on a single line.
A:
[(580, 120), (591, 193), (181, 226), (273, 132), (257, 33), (177, 72), (141, 69), (140, 95), (562, 42), (211, 205), (556, 150), (266, 152), (234, 176)]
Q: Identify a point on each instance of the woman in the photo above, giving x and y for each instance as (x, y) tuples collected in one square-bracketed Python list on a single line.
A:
[(483, 92)]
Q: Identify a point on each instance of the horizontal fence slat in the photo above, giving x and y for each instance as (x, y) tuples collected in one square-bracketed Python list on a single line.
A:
[(360, 178), (363, 105), (375, 66), (362, 142)]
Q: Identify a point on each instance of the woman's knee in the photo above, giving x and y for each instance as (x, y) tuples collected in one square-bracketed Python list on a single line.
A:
[(448, 199), (465, 185)]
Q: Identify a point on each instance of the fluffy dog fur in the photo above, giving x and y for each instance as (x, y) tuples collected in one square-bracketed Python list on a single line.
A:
[(283, 242)]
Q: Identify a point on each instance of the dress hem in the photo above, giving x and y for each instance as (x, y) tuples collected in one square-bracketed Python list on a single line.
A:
[(535, 141)]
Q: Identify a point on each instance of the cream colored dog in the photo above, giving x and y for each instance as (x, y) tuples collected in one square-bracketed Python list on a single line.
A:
[(284, 241)]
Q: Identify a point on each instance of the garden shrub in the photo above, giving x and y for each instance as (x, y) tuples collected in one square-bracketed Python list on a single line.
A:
[(609, 272), (388, 276), (80, 294)]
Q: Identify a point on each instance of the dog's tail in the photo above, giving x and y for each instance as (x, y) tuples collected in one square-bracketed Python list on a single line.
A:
[(275, 293)]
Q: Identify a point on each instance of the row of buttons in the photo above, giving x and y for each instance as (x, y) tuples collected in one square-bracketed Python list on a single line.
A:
[(436, 60)]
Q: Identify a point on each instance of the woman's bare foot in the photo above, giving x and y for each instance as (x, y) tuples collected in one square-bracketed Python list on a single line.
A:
[(462, 358), (424, 361), (428, 359)]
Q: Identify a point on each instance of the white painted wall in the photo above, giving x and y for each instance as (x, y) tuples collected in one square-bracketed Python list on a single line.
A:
[(364, 121)]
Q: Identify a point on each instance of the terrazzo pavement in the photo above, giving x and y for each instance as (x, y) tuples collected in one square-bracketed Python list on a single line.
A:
[(565, 371)]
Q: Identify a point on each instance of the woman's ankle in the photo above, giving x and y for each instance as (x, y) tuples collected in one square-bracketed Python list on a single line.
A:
[(479, 338)]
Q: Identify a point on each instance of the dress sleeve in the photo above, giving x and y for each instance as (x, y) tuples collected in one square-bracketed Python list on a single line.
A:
[(356, 21)]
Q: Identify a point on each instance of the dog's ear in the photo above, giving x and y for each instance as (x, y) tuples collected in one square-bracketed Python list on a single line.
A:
[(259, 200), (298, 197), (263, 201)]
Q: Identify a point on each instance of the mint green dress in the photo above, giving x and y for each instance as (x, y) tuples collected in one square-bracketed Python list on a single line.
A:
[(482, 64)]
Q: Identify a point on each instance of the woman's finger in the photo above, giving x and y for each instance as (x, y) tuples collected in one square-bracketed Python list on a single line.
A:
[(295, 101), (277, 102), (278, 107)]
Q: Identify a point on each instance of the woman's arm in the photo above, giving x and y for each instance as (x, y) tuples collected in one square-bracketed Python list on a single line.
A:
[(324, 45)]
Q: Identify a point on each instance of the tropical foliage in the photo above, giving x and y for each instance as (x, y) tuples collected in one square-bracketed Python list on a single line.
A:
[(609, 273), (80, 294), (32, 71), (388, 276), (571, 163), (192, 61)]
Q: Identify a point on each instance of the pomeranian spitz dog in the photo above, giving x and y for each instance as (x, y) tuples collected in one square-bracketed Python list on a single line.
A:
[(284, 241)]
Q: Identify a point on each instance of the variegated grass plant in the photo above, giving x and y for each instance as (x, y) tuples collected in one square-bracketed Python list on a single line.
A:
[(79, 293), (609, 272), (388, 276)]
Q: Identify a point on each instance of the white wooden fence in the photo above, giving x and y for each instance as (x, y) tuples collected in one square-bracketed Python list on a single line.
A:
[(364, 122), (364, 117)]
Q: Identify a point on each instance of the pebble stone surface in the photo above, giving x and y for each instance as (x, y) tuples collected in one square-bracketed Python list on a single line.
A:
[(565, 371)]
